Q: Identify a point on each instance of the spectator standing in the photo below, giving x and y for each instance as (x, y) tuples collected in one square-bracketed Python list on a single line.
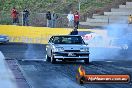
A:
[(15, 16), (76, 19), (48, 17), (54, 19), (70, 18), (130, 19), (26, 17)]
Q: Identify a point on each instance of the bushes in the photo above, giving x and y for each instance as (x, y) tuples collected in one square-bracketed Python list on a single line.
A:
[(59, 6)]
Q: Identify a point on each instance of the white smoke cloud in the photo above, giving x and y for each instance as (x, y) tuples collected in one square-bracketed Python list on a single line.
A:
[(7, 79), (31, 53), (119, 35)]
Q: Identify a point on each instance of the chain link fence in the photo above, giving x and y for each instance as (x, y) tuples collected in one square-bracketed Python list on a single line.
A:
[(37, 19)]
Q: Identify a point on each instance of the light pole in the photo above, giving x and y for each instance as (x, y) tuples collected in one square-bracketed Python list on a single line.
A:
[(79, 5)]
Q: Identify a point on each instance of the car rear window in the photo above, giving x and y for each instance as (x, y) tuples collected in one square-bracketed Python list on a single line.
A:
[(68, 40)]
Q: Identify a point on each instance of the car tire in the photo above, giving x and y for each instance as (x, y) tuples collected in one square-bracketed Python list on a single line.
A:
[(48, 59), (86, 61), (53, 60)]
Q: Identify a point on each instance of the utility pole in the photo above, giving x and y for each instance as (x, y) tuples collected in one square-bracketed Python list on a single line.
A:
[(79, 6), (22, 18)]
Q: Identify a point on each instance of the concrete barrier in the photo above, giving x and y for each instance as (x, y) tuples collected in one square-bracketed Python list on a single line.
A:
[(110, 17), (96, 20), (129, 3), (121, 10), (7, 79), (94, 24), (117, 13), (28, 34), (101, 24), (125, 6), (40, 35), (100, 17), (108, 20)]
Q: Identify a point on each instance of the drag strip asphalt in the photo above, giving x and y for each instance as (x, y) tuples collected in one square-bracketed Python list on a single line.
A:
[(42, 74)]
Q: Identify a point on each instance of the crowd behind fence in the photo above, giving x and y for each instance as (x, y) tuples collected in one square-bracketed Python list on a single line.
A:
[(36, 19)]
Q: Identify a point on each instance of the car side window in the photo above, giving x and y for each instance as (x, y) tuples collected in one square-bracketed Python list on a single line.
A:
[(51, 40), (56, 40)]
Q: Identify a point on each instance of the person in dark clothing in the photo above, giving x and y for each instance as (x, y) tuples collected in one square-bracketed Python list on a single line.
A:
[(15, 14), (26, 17), (74, 32), (48, 17), (76, 19)]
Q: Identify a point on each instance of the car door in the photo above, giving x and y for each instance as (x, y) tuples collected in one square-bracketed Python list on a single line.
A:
[(49, 46)]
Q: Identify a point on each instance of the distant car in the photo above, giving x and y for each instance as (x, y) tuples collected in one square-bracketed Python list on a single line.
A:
[(4, 39), (67, 48)]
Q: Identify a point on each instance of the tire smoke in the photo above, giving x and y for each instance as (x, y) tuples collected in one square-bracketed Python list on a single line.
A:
[(118, 35)]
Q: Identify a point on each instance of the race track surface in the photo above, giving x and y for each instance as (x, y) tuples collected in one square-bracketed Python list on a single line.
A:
[(42, 74)]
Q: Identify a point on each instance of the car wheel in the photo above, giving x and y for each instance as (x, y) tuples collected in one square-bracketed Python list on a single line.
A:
[(48, 59), (86, 61), (53, 60)]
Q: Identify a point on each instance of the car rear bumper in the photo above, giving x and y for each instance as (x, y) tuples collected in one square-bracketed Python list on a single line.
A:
[(77, 58), (76, 55)]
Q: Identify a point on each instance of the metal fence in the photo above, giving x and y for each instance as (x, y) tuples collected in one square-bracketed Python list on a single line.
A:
[(35, 19), (38, 19)]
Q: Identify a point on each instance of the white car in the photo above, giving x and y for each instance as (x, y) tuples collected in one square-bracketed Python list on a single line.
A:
[(67, 48), (4, 39)]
